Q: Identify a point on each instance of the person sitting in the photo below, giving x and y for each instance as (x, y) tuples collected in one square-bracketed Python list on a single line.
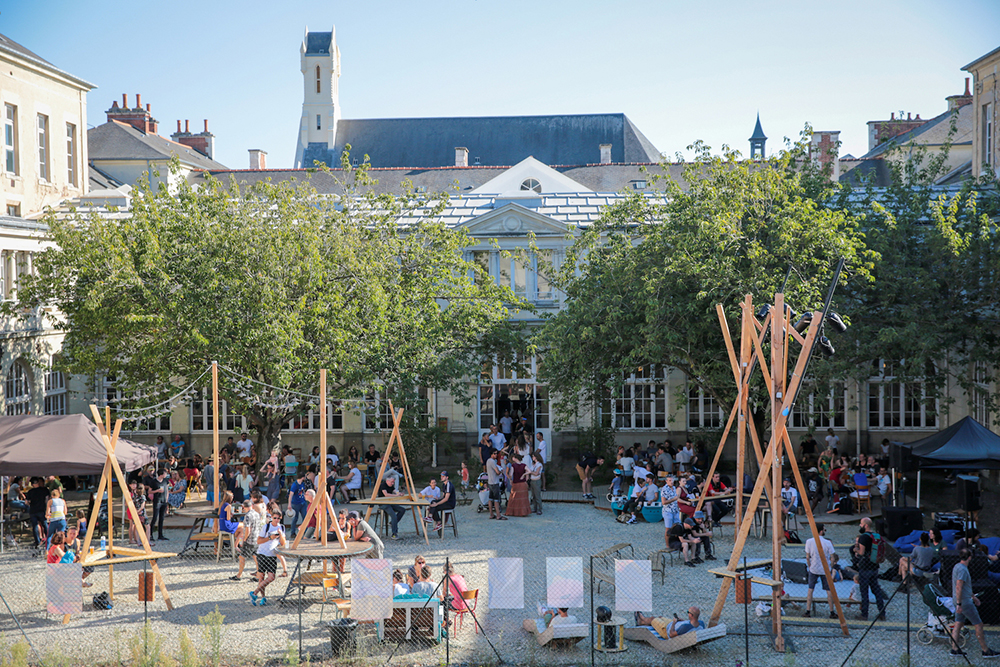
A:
[(394, 513), (454, 586), (424, 586), (970, 542), (640, 470), (789, 498), (715, 487), (674, 627), (920, 562), (558, 616), (445, 502), (679, 538), (615, 489), (399, 586), (701, 531), (362, 532), (645, 493), (178, 491)]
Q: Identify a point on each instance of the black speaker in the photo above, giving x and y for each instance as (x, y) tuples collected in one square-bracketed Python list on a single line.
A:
[(968, 493), (900, 521), (901, 458)]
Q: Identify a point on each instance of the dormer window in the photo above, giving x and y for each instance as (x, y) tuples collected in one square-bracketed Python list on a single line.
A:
[(639, 185), (531, 185)]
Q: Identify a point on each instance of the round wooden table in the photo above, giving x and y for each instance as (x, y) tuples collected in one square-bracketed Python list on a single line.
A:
[(316, 551)]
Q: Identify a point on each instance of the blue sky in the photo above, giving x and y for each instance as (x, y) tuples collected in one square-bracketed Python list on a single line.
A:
[(680, 70)]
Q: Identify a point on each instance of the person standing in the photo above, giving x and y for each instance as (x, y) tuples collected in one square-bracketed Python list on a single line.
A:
[(832, 441), (493, 480), (208, 476), (272, 536), (966, 612), (38, 497), (55, 514), (506, 424), (536, 477), (497, 439), (161, 449), (815, 567), (156, 486), (297, 499), (243, 448), (866, 563)]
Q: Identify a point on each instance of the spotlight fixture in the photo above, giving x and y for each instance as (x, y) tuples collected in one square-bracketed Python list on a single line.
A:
[(802, 323), (836, 322), (825, 346), (763, 311)]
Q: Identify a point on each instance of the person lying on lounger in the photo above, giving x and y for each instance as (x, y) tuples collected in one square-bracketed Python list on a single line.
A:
[(674, 627)]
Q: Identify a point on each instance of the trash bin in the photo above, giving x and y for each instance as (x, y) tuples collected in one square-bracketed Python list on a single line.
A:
[(342, 634)]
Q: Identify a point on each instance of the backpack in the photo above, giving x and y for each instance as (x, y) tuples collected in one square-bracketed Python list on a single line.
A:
[(878, 549), (792, 537), (103, 601)]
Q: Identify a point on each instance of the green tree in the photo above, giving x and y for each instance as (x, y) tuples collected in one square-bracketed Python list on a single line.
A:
[(274, 281), (642, 284)]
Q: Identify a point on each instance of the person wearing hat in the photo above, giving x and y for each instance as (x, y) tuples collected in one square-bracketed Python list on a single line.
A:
[(814, 487), (701, 530), (679, 538), (447, 501)]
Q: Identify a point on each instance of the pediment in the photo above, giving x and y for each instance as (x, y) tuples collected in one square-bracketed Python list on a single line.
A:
[(545, 179), (514, 220)]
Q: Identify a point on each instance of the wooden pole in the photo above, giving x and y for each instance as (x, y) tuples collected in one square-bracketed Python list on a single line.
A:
[(321, 523), (215, 439), (111, 511), (778, 338), (741, 401)]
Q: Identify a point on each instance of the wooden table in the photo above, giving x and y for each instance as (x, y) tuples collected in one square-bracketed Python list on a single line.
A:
[(404, 501), (200, 532), (316, 551)]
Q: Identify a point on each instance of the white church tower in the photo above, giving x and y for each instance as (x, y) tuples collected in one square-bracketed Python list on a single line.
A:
[(320, 62)]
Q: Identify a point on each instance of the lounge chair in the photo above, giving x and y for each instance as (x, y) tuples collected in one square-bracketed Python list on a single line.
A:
[(645, 633), (560, 634)]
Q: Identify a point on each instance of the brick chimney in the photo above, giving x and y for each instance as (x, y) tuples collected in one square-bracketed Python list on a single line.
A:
[(138, 117), (605, 153), (881, 131), (203, 142), (824, 147), (959, 101), (461, 156), (258, 159)]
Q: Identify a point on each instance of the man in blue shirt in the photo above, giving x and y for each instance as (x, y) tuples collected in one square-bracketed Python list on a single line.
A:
[(674, 627), (297, 499)]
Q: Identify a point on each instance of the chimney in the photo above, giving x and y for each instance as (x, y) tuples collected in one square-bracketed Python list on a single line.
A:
[(605, 153), (824, 148), (139, 118), (203, 142), (959, 101), (258, 159), (461, 156), (881, 131)]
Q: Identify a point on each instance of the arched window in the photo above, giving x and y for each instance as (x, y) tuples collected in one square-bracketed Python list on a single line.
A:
[(318, 80), (17, 390), (531, 184)]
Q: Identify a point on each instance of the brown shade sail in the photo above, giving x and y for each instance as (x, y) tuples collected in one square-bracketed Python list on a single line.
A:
[(62, 445)]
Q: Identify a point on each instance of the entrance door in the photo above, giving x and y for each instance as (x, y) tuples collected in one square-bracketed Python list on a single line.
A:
[(519, 397)]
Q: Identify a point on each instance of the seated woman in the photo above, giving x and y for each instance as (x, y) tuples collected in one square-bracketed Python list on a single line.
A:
[(226, 523), (454, 585), (399, 586), (192, 475), (178, 491)]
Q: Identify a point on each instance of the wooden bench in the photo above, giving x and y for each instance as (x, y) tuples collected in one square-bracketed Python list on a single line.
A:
[(600, 577), (733, 574), (614, 552), (658, 561)]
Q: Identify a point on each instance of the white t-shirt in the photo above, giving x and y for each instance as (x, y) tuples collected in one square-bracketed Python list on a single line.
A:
[(267, 548), (639, 473), (627, 463), (535, 470), (638, 490), (883, 482), (505, 424), (498, 440), (431, 492), (790, 496), (400, 589), (244, 447), (684, 456), (832, 442), (541, 446), (812, 554), (354, 479)]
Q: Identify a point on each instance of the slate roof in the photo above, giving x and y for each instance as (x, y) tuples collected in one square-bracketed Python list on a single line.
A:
[(495, 141), (758, 131), (11, 47), (602, 178), (934, 132), (13, 222), (318, 43), (120, 141), (100, 180)]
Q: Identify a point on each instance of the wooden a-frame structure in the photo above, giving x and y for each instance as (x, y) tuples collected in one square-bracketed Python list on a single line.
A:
[(782, 390), (117, 554)]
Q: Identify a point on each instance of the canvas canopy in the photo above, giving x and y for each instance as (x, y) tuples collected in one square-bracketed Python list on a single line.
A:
[(965, 445), (62, 445)]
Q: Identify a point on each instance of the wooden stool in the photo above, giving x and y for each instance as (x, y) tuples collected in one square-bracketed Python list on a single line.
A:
[(381, 517), (445, 515), (223, 537)]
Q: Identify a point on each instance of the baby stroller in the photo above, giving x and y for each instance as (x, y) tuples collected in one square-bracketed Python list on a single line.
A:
[(483, 489), (940, 619)]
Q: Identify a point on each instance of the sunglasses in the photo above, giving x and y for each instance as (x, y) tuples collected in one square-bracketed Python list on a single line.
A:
[(276, 516)]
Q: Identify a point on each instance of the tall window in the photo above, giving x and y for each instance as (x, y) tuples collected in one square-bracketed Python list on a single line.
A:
[(812, 411), (319, 123), (318, 80), (379, 418), (309, 421), (10, 139), (980, 407), (55, 391), (202, 413), (71, 153), (13, 265), (113, 396), (642, 400), (43, 147), (987, 134), (895, 404), (703, 410), (17, 390), (522, 275)]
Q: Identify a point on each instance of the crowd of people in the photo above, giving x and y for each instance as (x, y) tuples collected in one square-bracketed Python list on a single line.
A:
[(515, 465)]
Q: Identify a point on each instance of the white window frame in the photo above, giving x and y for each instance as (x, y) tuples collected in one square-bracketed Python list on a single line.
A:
[(10, 164), (979, 405), (309, 421), (17, 390), (107, 393), (812, 412), (44, 166), (642, 403), (200, 413), (506, 271), (703, 410), (71, 170), (379, 418), (55, 391), (495, 374), (894, 406)]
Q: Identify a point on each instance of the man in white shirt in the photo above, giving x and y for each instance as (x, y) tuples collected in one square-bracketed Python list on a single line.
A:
[(496, 438), (684, 456), (789, 498), (639, 473), (506, 423), (883, 481), (832, 441), (244, 445), (542, 448), (815, 567)]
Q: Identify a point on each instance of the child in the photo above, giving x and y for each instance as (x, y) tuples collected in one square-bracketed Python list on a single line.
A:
[(399, 587), (465, 478), (81, 522)]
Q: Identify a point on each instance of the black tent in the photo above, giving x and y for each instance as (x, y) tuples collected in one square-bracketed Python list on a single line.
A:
[(965, 445)]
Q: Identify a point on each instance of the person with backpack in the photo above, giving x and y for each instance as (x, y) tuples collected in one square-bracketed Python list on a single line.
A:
[(814, 488), (865, 553)]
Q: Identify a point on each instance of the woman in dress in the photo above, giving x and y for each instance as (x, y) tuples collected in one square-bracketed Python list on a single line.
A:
[(518, 504), (178, 491), (244, 484), (226, 523)]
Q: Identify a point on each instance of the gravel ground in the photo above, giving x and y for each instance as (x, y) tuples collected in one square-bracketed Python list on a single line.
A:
[(197, 585)]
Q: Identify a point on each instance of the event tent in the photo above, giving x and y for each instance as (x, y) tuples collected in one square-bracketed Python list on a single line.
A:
[(965, 445), (62, 445)]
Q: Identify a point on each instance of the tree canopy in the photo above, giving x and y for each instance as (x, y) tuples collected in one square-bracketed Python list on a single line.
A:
[(643, 283), (273, 281)]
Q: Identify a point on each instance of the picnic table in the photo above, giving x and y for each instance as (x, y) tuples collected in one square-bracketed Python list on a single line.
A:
[(404, 501), (320, 552)]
